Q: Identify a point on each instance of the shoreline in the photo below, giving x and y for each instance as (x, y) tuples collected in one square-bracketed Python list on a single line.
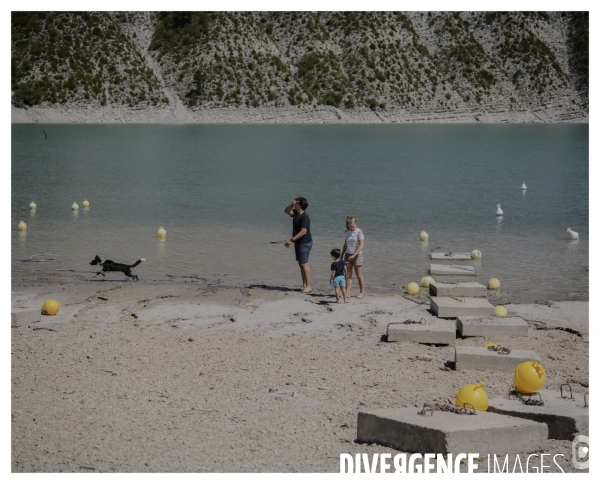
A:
[(83, 114), (228, 282), (153, 377)]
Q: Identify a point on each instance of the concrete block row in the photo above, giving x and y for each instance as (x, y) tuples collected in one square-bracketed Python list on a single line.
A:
[(24, 316), (438, 332), (491, 326), (463, 289), (480, 358), (451, 270), (566, 418), (406, 430), (508, 427), (444, 331), (450, 256), (449, 307)]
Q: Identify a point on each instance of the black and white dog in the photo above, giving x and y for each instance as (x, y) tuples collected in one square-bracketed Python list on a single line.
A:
[(110, 266)]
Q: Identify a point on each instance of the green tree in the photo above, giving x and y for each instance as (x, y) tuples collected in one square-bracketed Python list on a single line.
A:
[(199, 81)]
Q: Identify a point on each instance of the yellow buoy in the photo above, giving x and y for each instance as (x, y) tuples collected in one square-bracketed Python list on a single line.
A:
[(474, 395), (476, 254), (425, 281), (50, 307), (423, 236), (161, 232), (22, 226), (412, 288), (85, 204), (500, 311), (529, 377), (491, 344), (74, 206), (494, 283), (32, 206)]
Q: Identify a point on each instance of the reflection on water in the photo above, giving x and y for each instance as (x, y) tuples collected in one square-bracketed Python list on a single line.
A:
[(220, 193), (161, 254), (499, 219)]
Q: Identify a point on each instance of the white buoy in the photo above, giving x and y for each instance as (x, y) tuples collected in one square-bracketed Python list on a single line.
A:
[(162, 233), (475, 254), (424, 236), (499, 210), (523, 187), (574, 235), (85, 204), (32, 206), (74, 206), (22, 226)]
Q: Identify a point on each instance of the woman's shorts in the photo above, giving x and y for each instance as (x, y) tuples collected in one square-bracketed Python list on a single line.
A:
[(339, 281), (303, 251), (357, 261)]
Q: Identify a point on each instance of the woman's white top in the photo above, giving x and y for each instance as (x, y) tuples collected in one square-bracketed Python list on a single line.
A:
[(353, 238)]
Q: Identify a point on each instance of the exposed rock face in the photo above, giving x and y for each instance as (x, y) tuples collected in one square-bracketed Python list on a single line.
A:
[(359, 67)]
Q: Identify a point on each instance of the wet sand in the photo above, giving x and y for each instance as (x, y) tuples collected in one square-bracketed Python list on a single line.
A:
[(195, 376)]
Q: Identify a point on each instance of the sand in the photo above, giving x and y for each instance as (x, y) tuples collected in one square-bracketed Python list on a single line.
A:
[(193, 376), (179, 114)]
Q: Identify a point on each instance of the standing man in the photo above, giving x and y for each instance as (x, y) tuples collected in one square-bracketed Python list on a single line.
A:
[(301, 238)]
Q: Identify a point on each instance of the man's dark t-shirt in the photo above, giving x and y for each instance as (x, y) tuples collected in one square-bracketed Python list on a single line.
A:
[(300, 222), (338, 267)]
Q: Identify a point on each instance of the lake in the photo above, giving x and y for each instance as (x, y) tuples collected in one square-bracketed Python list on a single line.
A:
[(220, 191)]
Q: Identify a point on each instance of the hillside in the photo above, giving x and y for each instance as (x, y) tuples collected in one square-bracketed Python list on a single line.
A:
[(77, 57), (301, 66)]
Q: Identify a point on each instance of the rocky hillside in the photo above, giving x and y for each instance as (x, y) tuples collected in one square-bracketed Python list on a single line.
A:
[(380, 62), (78, 57)]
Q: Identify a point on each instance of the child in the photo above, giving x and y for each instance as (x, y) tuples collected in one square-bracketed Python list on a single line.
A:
[(338, 274)]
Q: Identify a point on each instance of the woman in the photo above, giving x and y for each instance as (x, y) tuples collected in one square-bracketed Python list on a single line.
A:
[(352, 254)]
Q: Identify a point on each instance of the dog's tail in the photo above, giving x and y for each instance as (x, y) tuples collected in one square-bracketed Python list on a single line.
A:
[(138, 262)]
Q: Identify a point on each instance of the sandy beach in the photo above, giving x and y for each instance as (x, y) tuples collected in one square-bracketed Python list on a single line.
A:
[(196, 376)]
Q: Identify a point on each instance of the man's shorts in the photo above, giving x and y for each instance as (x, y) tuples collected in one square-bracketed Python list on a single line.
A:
[(339, 281), (357, 261), (303, 251)]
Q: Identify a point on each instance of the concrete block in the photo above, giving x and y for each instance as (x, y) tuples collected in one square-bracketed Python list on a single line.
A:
[(439, 332), (448, 307), (451, 256), (24, 316), (451, 270), (490, 326), (565, 418), (480, 358), (445, 432), (462, 289)]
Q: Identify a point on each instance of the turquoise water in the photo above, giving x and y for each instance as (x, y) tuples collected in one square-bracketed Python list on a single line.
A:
[(220, 192)]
